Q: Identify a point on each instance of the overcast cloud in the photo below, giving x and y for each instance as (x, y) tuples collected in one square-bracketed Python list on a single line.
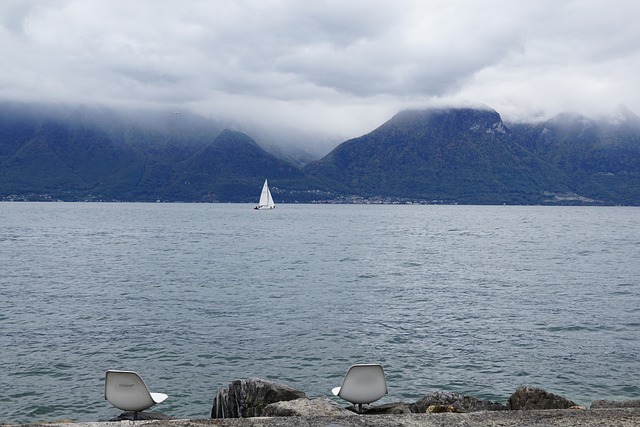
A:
[(340, 67)]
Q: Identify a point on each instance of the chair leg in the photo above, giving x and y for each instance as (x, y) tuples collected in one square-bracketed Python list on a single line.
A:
[(359, 408), (135, 415)]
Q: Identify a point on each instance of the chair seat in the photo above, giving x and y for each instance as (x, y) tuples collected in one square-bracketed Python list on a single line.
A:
[(158, 397), (127, 391)]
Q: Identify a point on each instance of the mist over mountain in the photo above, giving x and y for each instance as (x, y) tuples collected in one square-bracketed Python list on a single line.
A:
[(89, 153), (438, 155), (600, 157)]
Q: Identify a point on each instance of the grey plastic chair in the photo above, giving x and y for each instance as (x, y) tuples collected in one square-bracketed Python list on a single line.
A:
[(363, 383), (127, 391)]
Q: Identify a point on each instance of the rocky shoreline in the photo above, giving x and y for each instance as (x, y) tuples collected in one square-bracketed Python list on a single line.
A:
[(254, 397), (256, 402), (621, 417)]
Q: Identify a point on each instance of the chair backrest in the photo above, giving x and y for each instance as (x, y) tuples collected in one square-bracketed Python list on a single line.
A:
[(363, 384), (126, 390)]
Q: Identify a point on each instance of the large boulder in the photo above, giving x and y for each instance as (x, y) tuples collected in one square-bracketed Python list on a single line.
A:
[(249, 397), (527, 398), (305, 408), (602, 404), (458, 403)]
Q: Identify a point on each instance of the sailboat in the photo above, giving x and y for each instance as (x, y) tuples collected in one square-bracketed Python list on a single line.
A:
[(266, 201)]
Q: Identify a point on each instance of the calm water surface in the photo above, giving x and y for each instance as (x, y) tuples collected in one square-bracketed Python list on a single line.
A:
[(471, 299)]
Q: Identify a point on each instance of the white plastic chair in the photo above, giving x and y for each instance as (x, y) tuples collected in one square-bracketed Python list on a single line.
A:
[(127, 391), (364, 383)]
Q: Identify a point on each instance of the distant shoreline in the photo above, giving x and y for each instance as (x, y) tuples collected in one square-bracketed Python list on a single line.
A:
[(387, 201)]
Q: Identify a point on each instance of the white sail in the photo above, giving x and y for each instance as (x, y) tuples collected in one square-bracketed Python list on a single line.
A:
[(266, 201)]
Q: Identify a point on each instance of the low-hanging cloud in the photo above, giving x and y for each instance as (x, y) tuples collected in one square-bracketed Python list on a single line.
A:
[(330, 66)]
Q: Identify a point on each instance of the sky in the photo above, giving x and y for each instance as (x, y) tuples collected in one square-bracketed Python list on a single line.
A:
[(338, 68)]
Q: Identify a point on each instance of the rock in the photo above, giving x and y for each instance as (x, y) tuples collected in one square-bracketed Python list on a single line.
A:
[(460, 402), (600, 404), (249, 397), (304, 407), (527, 398), (386, 409)]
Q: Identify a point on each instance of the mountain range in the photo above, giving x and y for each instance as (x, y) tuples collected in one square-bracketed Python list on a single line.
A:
[(445, 155)]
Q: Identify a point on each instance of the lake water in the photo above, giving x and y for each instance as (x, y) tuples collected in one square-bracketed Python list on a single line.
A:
[(476, 300)]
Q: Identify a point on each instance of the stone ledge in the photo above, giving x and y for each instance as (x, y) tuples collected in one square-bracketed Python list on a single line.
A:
[(628, 417)]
